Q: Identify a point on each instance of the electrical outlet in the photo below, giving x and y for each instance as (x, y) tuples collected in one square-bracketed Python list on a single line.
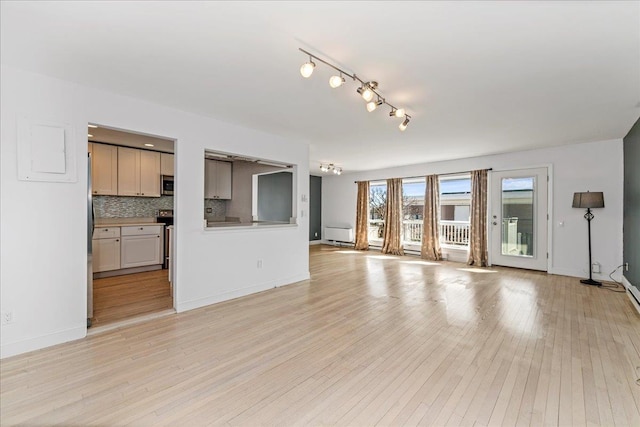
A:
[(626, 266), (595, 267), (315, 234), (259, 263), (209, 210), (7, 317)]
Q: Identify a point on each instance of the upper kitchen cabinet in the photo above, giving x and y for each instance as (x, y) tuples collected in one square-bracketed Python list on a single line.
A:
[(166, 164), (138, 172), (104, 169), (217, 179)]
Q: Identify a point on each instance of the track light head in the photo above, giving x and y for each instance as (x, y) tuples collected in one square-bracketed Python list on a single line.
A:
[(367, 90), (324, 168), (392, 113), (372, 105), (400, 112), (336, 81), (307, 69), (404, 124)]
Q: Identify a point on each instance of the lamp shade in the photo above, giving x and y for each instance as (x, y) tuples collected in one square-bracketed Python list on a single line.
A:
[(590, 199)]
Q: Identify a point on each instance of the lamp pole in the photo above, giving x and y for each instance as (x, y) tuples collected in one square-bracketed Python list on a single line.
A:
[(589, 216)]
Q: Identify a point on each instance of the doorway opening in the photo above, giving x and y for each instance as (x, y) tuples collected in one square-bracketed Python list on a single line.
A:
[(130, 209)]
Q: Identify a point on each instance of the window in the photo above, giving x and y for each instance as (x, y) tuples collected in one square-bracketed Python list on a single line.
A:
[(455, 211), (413, 190), (377, 206)]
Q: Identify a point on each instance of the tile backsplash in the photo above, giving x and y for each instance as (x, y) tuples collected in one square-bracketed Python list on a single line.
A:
[(130, 207), (218, 209)]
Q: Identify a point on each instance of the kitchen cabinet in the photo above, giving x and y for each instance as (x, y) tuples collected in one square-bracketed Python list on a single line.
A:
[(141, 245), (138, 172), (217, 182), (106, 249), (104, 169), (166, 164)]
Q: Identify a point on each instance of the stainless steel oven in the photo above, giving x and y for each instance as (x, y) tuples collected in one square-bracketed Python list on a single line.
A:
[(167, 185)]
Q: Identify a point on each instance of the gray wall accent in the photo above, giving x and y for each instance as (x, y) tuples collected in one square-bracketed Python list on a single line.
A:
[(130, 207), (275, 192), (315, 207), (241, 188), (631, 222), (218, 209)]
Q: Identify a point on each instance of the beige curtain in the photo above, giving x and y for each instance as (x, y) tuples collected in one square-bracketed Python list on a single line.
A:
[(478, 252), (362, 217), (392, 243), (430, 231)]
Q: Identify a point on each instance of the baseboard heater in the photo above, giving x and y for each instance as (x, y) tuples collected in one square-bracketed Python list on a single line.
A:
[(338, 234)]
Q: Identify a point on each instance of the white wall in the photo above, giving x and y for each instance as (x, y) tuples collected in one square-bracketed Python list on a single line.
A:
[(596, 166), (43, 225)]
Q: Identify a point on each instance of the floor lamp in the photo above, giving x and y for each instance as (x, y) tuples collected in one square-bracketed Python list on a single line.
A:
[(589, 200)]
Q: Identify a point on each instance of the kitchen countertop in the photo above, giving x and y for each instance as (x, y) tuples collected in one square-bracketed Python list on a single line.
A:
[(245, 225), (126, 224), (133, 224)]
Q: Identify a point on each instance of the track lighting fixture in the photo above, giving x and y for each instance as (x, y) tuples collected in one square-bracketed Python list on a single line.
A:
[(372, 105), (330, 168), (307, 68), (336, 81), (367, 89), (404, 124)]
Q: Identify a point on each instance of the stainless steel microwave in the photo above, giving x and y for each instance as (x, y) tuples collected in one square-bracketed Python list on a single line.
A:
[(167, 185)]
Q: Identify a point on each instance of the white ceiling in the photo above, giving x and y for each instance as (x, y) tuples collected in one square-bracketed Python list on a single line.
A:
[(477, 77)]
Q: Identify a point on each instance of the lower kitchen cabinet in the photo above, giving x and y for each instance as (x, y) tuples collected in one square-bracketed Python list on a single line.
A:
[(141, 246), (106, 254)]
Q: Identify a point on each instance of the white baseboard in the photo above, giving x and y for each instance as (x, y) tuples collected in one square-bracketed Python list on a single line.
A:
[(36, 343), (237, 293), (632, 291), (316, 242)]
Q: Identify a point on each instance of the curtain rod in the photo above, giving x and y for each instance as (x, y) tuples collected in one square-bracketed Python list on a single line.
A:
[(422, 176)]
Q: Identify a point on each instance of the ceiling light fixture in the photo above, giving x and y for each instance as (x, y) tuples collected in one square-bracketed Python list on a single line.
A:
[(307, 68), (148, 145), (330, 168), (336, 81), (372, 105), (404, 124), (92, 126), (367, 89), (89, 135)]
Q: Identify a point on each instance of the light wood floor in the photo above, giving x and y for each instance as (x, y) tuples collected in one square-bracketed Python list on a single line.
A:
[(369, 340), (122, 297)]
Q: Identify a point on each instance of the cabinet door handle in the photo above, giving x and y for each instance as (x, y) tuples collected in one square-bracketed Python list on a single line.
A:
[(106, 229), (141, 228), (143, 194), (117, 240)]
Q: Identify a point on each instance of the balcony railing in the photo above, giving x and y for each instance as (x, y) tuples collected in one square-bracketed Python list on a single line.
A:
[(452, 233)]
